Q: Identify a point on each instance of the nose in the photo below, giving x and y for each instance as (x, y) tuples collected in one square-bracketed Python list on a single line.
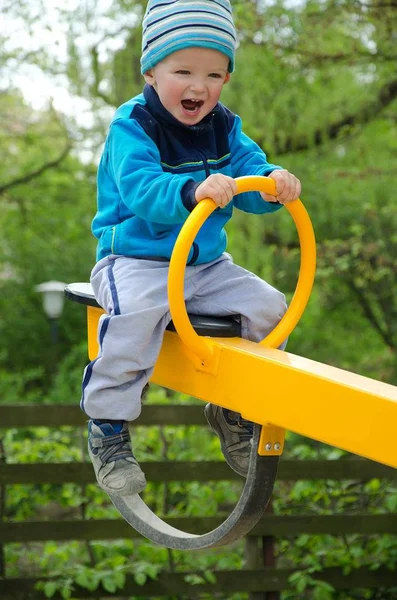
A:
[(197, 85)]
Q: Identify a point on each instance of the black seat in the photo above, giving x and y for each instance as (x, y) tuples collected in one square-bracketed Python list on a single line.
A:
[(210, 326)]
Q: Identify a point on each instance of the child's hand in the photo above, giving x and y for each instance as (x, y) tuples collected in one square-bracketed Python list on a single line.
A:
[(288, 187), (220, 188)]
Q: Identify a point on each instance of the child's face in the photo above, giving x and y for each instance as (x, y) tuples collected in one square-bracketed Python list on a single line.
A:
[(189, 82)]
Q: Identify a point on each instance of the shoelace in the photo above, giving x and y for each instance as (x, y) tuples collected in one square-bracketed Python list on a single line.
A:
[(117, 447), (247, 427)]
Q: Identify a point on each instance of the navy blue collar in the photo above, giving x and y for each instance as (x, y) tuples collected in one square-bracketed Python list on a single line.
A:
[(163, 115)]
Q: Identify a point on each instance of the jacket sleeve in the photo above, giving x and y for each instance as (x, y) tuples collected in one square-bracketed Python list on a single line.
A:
[(133, 161), (248, 158)]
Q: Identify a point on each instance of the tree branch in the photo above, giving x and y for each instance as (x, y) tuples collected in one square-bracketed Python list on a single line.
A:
[(273, 239), (34, 174), (386, 95), (369, 5), (321, 57), (352, 6), (97, 77), (370, 315)]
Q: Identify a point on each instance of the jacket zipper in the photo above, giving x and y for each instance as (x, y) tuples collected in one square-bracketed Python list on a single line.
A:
[(196, 249), (206, 167)]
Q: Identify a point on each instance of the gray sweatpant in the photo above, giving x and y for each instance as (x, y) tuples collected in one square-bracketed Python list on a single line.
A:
[(133, 293)]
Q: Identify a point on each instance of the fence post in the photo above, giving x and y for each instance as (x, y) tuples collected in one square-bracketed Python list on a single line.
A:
[(2, 510), (83, 489), (257, 557), (253, 561), (269, 558)]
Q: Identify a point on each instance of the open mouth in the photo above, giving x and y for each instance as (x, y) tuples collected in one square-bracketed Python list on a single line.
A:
[(192, 106)]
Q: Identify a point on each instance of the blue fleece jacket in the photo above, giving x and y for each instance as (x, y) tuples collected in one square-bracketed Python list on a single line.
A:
[(148, 173)]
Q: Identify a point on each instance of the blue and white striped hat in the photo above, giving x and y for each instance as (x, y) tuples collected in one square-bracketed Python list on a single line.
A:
[(171, 25)]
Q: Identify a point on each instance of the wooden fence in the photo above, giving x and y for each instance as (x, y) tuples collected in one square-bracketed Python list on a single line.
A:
[(261, 578)]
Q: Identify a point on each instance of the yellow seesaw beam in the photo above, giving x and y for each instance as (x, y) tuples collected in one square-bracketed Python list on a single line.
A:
[(331, 405), (327, 404)]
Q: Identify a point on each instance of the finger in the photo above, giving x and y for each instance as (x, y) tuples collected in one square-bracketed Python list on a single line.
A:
[(225, 187), (268, 197), (232, 184), (284, 194), (279, 177), (288, 191), (221, 196), (214, 189), (298, 189), (231, 188), (294, 190)]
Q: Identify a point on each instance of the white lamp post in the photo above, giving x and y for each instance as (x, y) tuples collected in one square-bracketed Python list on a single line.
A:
[(53, 299)]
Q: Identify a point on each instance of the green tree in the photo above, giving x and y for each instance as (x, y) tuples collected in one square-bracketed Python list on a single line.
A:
[(47, 201)]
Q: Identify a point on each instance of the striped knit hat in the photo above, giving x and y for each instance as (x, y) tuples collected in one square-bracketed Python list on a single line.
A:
[(171, 25)]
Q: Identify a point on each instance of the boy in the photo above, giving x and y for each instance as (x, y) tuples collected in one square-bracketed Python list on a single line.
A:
[(167, 149)]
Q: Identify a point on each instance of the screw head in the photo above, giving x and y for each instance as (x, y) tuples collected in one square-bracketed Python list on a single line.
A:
[(277, 446), (268, 447)]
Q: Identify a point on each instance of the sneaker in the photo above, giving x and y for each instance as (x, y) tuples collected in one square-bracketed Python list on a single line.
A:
[(115, 466), (235, 434)]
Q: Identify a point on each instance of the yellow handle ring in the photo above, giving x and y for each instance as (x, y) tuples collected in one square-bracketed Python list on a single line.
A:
[(198, 345)]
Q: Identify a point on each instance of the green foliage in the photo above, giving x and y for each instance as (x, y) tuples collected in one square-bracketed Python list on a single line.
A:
[(109, 573), (92, 564), (22, 386), (46, 235), (315, 86), (301, 581)]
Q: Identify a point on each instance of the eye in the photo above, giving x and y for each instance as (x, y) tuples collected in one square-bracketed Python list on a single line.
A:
[(215, 75), (182, 72)]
